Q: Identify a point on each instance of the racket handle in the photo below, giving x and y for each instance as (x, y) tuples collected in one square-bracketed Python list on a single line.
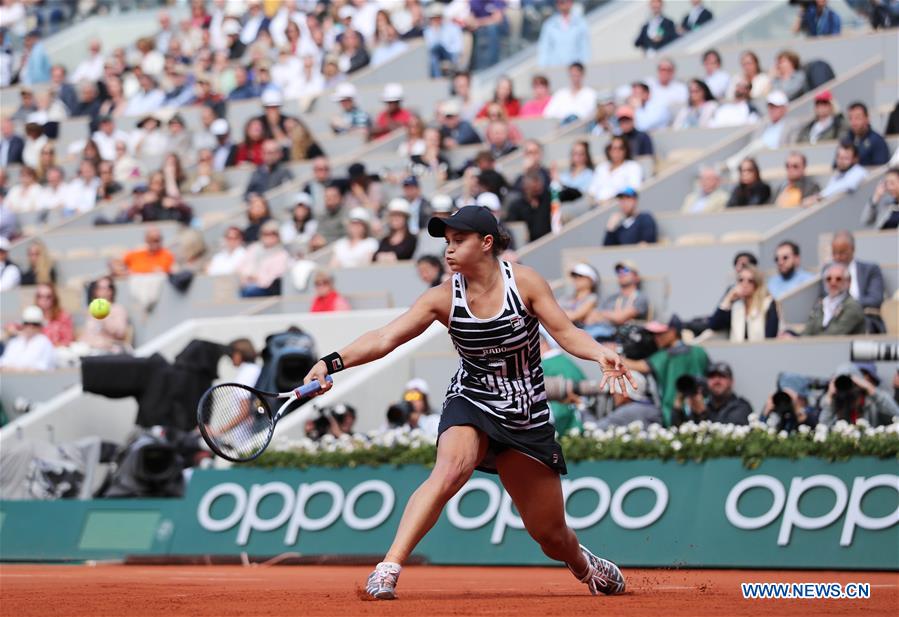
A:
[(310, 388)]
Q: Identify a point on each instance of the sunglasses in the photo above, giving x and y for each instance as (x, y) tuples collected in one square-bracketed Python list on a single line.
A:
[(622, 270)]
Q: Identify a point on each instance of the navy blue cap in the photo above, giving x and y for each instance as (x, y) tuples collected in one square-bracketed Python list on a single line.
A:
[(627, 191), (410, 181), (469, 218)]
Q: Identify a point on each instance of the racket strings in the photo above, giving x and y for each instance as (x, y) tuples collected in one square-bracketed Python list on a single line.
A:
[(236, 421)]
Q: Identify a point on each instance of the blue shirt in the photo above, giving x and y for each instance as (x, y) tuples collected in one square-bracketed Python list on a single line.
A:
[(641, 229), (872, 148), (779, 286), (820, 25), (562, 43)]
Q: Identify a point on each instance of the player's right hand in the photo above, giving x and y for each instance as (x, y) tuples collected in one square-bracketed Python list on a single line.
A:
[(319, 372)]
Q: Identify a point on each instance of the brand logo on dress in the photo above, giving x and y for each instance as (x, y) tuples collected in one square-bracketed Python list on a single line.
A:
[(516, 322), (493, 351)]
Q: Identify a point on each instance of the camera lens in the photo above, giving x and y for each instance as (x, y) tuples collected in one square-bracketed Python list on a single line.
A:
[(843, 383)]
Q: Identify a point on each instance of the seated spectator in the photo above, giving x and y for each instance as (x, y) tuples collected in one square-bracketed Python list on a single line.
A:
[(357, 247), (771, 134), (243, 356), (666, 89), (504, 95), (797, 187), (444, 40), (455, 130), (271, 173), (126, 168), (533, 207), (258, 213), (790, 274), (700, 108), (106, 137), (25, 196), (57, 323), (720, 405), (656, 33), (110, 334), (109, 187), (352, 54), (244, 88), (579, 175), (204, 178), (263, 265), (650, 113), (330, 222), (715, 77), (748, 310), (751, 190), (708, 196), (604, 121), (584, 298), (10, 275), (394, 116), (622, 307), (11, 145), (297, 233), (387, 45), (697, 16), (787, 75), (275, 123), (41, 269), (351, 118), (866, 279), (739, 111), (565, 416), (399, 244), (327, 298), (148, 139), (576, 102), (158, 204), (627, 225), (152, 258), (837, 313), (498, 138), (224, 151), (541, 96), (433, 158), (414, 143), (882, 210), (871, 147), (853, 395), (419, 207), (81, 191), (817, 19), (30, 349), (430, 270), (640, 143), (364, 191), (632, 405), (147, 100), (673, 360), (618, 172), (533, 161), (564, 37), (847, 175), (227, 260), (827, 124)]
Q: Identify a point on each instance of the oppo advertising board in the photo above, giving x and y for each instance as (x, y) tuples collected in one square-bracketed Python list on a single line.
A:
[(785, 514)]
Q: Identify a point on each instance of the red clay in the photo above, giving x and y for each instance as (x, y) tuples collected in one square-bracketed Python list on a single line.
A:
[(425, 591)]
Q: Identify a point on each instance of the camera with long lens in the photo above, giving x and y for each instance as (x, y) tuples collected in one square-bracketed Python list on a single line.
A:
[(322, 424), (558, 388), (874, 351), (398, 414), (691, 385)]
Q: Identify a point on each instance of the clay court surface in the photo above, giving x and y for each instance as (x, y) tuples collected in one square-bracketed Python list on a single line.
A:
[(425, 591)]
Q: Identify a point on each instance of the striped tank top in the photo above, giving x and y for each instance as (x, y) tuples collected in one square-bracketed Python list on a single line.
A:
[(499, 358)]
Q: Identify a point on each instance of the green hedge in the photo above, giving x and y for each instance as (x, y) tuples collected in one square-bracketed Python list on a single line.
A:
[(689, 442)]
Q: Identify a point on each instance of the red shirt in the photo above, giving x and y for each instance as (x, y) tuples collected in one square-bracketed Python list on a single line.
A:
[(332, 301), (534, 107), (249, 152), (387, 122), (513, 108)]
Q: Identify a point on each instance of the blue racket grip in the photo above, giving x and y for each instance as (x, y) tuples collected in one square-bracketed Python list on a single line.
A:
[(311, 388)]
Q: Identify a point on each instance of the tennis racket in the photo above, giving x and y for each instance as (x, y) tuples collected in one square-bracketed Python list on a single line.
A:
[(237, 422)]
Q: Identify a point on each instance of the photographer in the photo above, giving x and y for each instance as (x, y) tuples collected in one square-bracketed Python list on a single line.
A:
[(789, 407), (335, 421), (853, 394), (414, 410), (712, 399)]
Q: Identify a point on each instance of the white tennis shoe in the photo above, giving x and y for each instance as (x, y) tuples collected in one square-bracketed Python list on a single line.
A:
[(382, 582), (602, 575)]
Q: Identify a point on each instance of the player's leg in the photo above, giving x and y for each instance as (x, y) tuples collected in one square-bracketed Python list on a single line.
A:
[(536, 491), (460, 449)]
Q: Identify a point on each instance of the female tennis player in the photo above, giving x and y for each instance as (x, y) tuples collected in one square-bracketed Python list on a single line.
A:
[(495, 417)]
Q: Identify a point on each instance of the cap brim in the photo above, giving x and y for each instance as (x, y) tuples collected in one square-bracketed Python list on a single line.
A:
[(437, 226)]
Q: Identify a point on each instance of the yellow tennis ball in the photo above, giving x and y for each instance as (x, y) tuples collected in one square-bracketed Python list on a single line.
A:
[(99, 308)]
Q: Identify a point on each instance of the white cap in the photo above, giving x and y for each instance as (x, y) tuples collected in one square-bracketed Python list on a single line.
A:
[(359, 214), (343, 91), (33, 314), (400, 205), (583, 269), (4, 243), (219, 127), (37, 117), (231, 26), (392, 92), (419, 385), (442, 203), (778, 99), (272, 98), (346, 12), (434, 10), (452, 107), (489, 200), (303, 198)]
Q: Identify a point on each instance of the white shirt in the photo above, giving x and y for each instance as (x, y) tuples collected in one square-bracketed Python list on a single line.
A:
[(675, 95), (106, 143), (20, 199), (844, 181), (830, 306), (250, 30), (773, 135), (364, 21), (718, 83), (565, 103), (223, 262), (90, 69), (607, 183), (286, 75), (10, 276), (817, 128), (348, 256), (733, 114), (854, 290), (655, 114), (52, 198), (81, 196), (36, 354), (247, 374), (290, 234)]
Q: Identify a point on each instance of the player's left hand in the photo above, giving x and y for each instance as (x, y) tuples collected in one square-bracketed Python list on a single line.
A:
[(615, 374)]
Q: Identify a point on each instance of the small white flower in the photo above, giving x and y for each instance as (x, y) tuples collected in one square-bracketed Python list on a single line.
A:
[(676, 445), (783, 435), (804, 429)]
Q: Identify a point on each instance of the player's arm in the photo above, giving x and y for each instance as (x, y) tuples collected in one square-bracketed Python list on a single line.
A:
[(572, 339), (374, 344)]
